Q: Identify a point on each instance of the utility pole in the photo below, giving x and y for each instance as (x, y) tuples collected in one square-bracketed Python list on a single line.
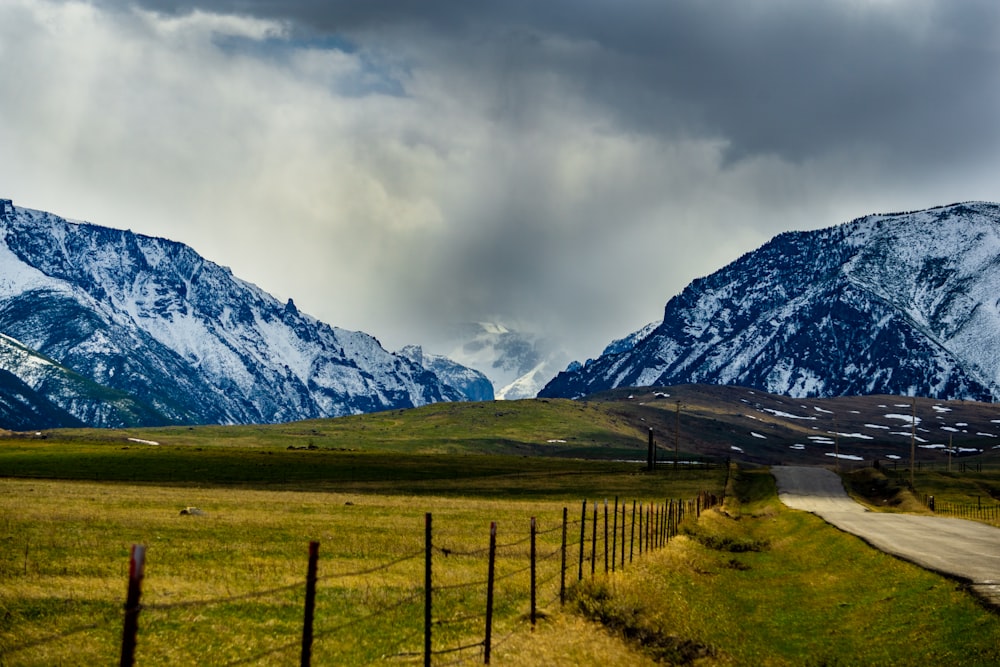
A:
[(651, 453), (677, 434), (913, 440), (836, 444)]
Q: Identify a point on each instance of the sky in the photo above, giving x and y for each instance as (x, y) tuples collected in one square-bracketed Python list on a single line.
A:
[(563, 167)]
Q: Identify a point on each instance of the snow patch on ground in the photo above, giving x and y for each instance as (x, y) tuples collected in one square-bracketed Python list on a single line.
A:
[(787, 415), (849, 457), (907, 434), (909, 419)]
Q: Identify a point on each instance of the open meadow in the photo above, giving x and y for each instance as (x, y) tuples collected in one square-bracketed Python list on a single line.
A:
[(226, 535), (227, 514)]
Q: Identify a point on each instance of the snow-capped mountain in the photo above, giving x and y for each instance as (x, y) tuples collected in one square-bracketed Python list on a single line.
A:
[(116, 328), (903, 304), (517, 363), (474, 385)]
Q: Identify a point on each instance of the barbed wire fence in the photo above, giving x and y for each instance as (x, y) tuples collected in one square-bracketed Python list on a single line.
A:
[(610, 535)]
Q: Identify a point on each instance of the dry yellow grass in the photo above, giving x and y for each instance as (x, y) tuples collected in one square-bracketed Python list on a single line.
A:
[(65, 559)]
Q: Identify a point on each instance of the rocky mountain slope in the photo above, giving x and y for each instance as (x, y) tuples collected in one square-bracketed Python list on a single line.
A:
[(900, 304), (475, 386), (114, 328)]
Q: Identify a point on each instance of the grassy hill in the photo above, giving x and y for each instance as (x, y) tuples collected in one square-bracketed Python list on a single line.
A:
[(471, 448), (690, 421)]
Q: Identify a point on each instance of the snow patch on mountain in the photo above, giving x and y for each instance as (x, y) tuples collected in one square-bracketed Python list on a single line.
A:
[(900, 304), (180, 336)]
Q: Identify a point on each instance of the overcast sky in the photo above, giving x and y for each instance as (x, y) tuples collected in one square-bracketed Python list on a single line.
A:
[(564, 166)]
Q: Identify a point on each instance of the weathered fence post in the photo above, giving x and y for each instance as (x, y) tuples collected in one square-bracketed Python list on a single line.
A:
[(640, 529), (656, 528), (534, 533), (487, 642), (593, 545), (583, 537), (136, 571), (623, 534), (649, 521), (562, 573), (614, 538), (428, 547), (605, 536), (631, 539), (307, 624)]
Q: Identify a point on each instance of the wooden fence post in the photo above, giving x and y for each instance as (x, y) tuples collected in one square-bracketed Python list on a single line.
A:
[(534, 533), (583, 538), (307, 625), (623, 534), (605, 536), (656, 528), (640, 529), (614, 539), (427, 589), (488, 641), (562, 573), (649, 521), (593, 545), (136, 571), (631, 538)]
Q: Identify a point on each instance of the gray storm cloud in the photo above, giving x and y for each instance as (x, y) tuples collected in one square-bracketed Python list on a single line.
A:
[(397, 166)]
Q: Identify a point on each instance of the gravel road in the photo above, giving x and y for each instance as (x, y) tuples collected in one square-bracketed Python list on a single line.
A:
[(966, 550)]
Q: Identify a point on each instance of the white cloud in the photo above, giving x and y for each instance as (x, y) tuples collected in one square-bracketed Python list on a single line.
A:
[(570, 174)]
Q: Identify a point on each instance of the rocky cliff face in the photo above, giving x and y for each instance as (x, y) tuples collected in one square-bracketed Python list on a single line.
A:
[(475, 386), (891, 304), (163, 335)]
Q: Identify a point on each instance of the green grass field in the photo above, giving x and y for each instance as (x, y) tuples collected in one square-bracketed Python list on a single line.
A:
[(66, 552), (754, 584)]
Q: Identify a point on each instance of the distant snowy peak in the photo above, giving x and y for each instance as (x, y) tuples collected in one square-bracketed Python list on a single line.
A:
[(898, 304), (181, 336), (516, 362)]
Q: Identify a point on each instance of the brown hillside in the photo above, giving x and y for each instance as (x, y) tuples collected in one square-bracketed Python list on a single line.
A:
[(758, 427)]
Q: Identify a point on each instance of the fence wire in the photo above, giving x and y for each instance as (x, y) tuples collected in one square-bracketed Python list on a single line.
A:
[(654, 530)]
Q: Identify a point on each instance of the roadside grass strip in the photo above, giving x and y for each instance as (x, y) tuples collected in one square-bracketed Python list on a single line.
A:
[(759, 584)]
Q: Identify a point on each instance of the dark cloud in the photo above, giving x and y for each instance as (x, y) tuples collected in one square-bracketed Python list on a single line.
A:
[(915, 81), (397, 166)]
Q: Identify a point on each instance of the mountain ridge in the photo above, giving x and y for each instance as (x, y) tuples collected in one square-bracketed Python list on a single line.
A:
[(889, 303), (182, 336)]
